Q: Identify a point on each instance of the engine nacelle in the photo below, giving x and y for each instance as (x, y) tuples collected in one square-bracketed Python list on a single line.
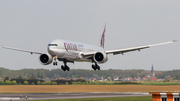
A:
[(45, 59), (100, 57)]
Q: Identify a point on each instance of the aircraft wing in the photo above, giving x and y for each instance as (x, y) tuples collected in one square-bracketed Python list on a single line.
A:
[(23, 50), (122, 51)]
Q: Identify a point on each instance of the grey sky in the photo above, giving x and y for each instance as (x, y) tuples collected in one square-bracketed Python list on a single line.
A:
[(32, 24)]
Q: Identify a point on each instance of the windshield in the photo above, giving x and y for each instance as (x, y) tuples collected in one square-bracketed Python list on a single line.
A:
[(52, 45)]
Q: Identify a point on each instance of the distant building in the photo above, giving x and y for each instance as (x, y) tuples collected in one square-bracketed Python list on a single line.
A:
[(90, 79), (100, 79), (153, 77), (152, 72), (168, 77), (116, 79)]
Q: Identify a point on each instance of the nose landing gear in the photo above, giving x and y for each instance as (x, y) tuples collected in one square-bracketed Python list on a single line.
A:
[(55, 63)]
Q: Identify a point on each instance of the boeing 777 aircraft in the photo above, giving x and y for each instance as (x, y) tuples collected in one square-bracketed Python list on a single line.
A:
[(70, 51)]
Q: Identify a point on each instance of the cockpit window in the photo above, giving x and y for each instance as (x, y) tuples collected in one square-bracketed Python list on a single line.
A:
[(52, 45)]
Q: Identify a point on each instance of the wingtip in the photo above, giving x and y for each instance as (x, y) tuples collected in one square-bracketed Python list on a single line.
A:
[(174, 40)]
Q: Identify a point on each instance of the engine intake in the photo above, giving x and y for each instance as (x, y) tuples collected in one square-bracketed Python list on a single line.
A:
[(100, 57), (45, 59)]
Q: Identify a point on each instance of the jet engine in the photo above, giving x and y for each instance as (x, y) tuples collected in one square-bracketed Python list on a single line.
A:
[(100, 57), (45, 59)]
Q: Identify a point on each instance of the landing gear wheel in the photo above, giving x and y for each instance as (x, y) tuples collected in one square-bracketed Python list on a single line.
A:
[(67, 68), (63, 68), (98, 67), (94, 67), (55, 63)]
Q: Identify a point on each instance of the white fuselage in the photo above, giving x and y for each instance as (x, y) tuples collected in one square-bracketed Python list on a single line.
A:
[(70, 50)]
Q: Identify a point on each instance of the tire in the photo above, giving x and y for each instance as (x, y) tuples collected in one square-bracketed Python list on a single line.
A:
[(67, 68), (94, 67), (98, 67), (62, 67)]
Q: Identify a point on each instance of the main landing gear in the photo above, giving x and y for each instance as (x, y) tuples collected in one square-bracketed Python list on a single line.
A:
[(65, 67), (96, 67)]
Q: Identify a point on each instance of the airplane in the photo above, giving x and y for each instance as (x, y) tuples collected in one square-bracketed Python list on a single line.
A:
[(70, 51)]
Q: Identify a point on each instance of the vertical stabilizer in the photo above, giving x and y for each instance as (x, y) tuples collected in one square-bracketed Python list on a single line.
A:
[(103, 37)]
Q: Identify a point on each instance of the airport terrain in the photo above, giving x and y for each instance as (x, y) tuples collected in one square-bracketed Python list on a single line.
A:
[(141, 98), (76, 96), (84, 88)]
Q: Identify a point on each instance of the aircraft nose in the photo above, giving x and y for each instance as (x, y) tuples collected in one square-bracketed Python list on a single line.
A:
[(50, 50)]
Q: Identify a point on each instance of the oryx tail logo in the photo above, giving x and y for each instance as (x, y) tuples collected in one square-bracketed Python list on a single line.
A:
[(70, 46), (103, 37)]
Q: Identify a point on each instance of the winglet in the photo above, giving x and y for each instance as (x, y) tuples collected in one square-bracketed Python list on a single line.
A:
[(103, 37), (174, 40)]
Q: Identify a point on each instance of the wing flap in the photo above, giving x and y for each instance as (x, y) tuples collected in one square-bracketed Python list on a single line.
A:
[(23, 50)]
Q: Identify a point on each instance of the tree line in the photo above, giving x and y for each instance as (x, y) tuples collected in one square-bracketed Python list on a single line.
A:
[(75, 73)]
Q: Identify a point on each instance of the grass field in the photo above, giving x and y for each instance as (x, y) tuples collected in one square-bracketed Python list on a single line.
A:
[(159, 83), (85, 88), (143, 98)]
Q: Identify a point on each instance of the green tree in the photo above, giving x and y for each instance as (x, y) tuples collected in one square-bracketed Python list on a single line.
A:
[(66, 83), (53, 83), (14, 82), (48, 83), (26, 82), (54, 76), (32, 83), (6, 78), (96, 76), (20, 77), (1, 82), (43, 83), (57, 76), (38, 74), (177, 77), (41, 76), (7, 82), (38, 83), (33, 76), (86, 83)]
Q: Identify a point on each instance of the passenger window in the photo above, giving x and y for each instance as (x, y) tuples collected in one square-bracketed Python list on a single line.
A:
[(164, 99), (176, 99)]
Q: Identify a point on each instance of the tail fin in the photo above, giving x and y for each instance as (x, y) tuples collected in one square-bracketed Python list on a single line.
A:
[(103, 37)]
